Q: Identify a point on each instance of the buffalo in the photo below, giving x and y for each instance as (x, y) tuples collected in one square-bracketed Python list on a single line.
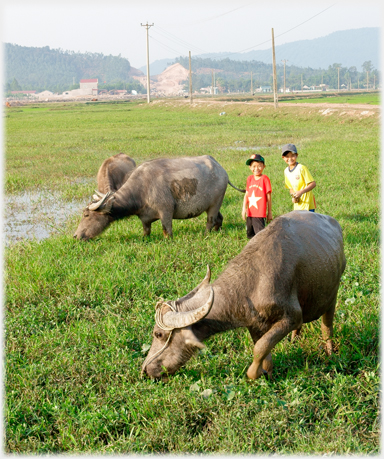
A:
[(114, 172), (287, 275), (161, 189)]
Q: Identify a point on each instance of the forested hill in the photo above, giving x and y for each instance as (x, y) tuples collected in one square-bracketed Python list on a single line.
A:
[(56, 70)]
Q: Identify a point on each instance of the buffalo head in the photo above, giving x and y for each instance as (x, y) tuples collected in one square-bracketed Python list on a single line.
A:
[(174, 341), (96, 217)]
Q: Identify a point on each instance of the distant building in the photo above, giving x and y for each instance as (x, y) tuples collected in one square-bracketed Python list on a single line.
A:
[(23, 92), (264, 89), (117, 91), (45, 95), (89, 87)]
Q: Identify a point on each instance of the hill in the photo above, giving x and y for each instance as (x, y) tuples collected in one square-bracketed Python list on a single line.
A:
[(350, 48), (57, 70)]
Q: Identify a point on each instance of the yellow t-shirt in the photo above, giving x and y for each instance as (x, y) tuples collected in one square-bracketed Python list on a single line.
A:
[(297, 179)]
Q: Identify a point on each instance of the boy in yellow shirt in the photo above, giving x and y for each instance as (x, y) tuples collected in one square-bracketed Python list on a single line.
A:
[(299, 180)]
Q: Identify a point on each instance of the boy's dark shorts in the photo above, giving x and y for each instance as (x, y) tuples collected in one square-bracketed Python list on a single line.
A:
[(254, 225)]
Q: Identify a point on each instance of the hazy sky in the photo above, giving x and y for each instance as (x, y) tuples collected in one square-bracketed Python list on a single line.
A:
[(114, 27)]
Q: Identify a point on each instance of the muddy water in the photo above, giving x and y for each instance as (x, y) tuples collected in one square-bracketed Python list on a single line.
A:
[(36, 215)]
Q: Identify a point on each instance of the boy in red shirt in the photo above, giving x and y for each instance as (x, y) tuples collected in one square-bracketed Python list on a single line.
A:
[(257, 204)]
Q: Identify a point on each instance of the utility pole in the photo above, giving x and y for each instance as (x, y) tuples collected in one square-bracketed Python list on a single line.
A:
[(251, 84), (367, 81), (284, 60), (374, 82), (190, 78), (147, 26), (358, 82), (338, 79), (274, 72), (301, 82)]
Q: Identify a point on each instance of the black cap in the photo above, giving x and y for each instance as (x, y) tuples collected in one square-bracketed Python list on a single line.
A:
[(255, 157), (289, 147)]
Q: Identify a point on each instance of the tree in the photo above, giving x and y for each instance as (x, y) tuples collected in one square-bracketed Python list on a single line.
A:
[(14, 85), (367, 66)]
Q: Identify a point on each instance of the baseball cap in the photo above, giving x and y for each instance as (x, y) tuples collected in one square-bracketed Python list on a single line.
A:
[(255, 157), (289, 147)]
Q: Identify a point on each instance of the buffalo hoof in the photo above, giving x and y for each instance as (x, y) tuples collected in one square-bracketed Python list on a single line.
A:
[(266, 375)]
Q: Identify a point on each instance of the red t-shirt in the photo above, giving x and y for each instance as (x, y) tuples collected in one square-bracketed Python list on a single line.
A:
[(257, 195)]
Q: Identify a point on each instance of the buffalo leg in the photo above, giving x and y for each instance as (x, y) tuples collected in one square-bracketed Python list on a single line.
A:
[(327, 328), (296, 333), (219, 222), (267, 362), (264, 346), (146, 228), (214, 217), (166, 222)]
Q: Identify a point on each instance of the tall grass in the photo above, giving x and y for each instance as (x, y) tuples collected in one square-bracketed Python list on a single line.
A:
[(79, 316)]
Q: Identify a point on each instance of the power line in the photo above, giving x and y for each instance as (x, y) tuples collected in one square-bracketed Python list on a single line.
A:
[(306, 20), (164, 46), (212, 17), (178, 41), (267, 41), (224, 55)]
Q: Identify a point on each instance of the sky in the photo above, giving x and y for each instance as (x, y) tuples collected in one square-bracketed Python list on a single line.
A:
[(118, 27)]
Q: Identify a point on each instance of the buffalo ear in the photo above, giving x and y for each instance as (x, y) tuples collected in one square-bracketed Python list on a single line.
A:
[(191, 339)]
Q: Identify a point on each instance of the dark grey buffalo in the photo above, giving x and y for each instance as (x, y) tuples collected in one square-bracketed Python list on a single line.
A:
[(114, 172), (287, 275), (161, 189)]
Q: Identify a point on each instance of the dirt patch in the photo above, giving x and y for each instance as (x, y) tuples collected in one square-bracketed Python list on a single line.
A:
[(169, 82)]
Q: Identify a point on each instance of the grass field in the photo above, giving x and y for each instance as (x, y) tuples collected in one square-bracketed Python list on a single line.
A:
[(371, 99), (79, 316)]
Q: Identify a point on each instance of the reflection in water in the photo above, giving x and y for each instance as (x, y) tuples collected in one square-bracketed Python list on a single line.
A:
[(36, 215)]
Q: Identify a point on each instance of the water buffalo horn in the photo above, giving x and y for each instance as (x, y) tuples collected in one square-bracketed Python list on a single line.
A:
[(184, 319), (193, 292), (96, 205)]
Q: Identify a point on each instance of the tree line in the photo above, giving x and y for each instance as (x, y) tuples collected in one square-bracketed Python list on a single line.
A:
[(237, 76)]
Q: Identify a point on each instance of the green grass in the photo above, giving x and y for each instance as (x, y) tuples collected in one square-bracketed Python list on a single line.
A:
[(79, 316), (370, 98)]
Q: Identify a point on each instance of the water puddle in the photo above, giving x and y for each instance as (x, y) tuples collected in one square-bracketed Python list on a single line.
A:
[(36, 215)]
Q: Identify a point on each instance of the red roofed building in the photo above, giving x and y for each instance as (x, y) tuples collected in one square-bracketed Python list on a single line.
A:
[(89, 86), (23, 92)]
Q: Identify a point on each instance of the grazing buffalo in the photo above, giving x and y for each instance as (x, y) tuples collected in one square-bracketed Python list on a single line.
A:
[(287, 275), (114, 172), (161, 189)]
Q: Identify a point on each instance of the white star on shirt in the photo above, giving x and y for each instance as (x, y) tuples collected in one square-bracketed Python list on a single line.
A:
[(253, 200)]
